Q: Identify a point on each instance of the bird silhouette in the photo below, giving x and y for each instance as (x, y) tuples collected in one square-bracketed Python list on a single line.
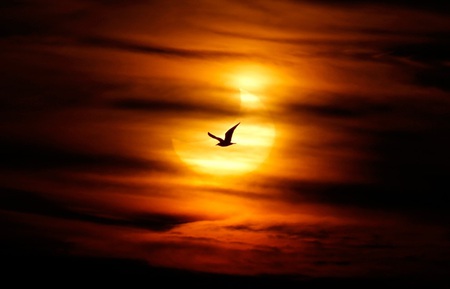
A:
[(227, 141)]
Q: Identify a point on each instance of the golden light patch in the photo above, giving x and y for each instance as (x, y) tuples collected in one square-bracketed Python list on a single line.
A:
[(254, 138), (251, 77)]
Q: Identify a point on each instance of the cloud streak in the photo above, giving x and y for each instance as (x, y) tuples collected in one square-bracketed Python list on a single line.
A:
[(164, 51), (34, 156), (32, 203)]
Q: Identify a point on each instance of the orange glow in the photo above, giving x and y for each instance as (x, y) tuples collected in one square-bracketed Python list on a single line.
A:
[(254, 139), (252, 77)]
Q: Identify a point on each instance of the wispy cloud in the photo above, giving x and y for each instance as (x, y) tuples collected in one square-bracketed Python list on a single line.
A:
[(150, 105), (435, 6), (32, 203), (165, 51), (33, 156)]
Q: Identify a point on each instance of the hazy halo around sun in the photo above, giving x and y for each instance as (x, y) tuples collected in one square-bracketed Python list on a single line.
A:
[(254, 137)]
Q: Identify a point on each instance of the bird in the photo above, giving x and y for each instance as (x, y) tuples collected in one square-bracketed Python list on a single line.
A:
[(227, 141)]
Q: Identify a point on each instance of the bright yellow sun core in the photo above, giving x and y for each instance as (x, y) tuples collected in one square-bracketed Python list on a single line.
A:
[(250, 79), (253, 138)]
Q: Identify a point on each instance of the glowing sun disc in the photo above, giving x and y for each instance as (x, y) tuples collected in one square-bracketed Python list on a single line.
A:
[(254, 138)]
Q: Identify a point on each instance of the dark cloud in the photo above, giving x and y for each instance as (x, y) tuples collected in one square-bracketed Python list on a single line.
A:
[(431, 60), (317, 42), (16, 28), (434, 51), (12, 26), (47, 19), (377, 246), (333, 254), (298, 231), (108, 271), (419, 197), (34, 80), (323, 236), (12, 3), (414, 164), (435, 77), (30, 156), (122, 2), (253, 194), (170, 106), (435, 6), (42, 92), (21, 238), (20, 201), (341, 106), (335, 263), (372, 46), (406, 140), (163, 50)]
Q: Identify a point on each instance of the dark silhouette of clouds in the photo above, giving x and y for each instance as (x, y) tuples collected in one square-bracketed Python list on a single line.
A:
[(30, 156), (434, 6), (290, 231), (108, 271), (170, 106), (341, 107), (163, 50), (33, 203), (413, 195), (433, 69)]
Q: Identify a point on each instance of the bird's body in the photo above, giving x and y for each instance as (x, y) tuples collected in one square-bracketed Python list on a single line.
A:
[(227, 141)]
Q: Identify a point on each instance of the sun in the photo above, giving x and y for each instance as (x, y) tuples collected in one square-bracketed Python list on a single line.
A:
[(249, 81), (251, 78), (254, 138)]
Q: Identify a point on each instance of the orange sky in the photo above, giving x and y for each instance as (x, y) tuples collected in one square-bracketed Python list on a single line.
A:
[(341, 158)]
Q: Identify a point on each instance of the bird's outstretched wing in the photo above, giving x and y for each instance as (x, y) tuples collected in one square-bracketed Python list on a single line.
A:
[(229, 133), (213, 136)]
